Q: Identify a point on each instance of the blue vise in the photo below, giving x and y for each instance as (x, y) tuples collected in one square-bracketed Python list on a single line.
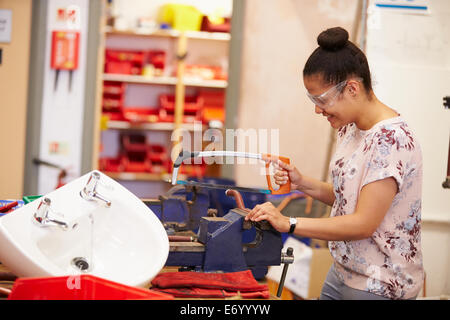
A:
[(221, 248), (181, 207)]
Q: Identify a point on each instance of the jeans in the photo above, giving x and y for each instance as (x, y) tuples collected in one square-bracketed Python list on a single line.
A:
[(334, 289)]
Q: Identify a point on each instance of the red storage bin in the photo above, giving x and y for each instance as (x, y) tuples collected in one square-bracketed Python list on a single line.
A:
[(135, 152), (157, 58), (115, 115), (124, 61), (213, 105), (141, 115), (134, 142), (205, 72), (192, 108), (212, 98), (191, 103), (82, 287), (159, 158), (208, 26), (123, 67), (158, 153), (113, 100), (111, 164), (136, 161), (193, 170), (188, 117), (110, 103), (113, 88)]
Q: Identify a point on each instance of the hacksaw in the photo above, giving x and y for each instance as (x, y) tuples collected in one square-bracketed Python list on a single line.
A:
[(184, 155)]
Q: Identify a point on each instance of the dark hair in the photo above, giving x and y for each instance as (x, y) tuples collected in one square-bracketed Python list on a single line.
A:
[(337, 58)]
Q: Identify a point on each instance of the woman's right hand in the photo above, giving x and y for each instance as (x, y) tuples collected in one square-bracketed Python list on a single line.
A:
[(283, 171)]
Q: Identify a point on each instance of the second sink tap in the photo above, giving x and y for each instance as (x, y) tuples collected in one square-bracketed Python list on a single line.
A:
[(90, 193), (43, 219)]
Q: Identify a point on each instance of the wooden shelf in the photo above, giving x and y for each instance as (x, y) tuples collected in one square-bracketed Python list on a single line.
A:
[(157, 126), (163, 80), (191, 82), (180, 81), (201, 35)]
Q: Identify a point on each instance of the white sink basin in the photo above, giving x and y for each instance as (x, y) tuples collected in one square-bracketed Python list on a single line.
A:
[(125, 242)]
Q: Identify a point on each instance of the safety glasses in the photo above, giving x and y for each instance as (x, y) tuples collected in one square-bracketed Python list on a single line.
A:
[(328, 98)]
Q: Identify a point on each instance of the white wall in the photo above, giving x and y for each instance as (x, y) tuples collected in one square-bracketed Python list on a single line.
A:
[(62, 111), (409, 54), (13, 98), (278, 38)]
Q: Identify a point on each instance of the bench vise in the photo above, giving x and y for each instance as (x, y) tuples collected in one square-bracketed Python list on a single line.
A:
[(181, 208), (220, 246)]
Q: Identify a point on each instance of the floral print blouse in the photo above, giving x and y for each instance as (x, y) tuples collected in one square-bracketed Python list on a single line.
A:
[(388, 263)]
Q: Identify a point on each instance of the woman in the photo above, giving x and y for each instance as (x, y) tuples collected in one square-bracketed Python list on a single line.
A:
[(374, 226)]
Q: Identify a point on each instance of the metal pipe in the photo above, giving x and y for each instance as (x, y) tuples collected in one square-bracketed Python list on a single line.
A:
[(181, 239), (237, 197)]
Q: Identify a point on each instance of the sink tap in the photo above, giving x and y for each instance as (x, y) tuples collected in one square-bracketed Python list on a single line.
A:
[(42, 217), (90, 193)]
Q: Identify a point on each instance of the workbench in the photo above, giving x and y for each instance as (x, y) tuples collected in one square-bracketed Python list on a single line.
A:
[(272, 286)]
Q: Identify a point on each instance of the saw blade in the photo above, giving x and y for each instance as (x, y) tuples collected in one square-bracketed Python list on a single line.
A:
[(222, 186)]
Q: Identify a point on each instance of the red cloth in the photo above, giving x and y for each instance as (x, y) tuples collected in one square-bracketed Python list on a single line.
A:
[(234, 281), (210, 285), (192, 292)]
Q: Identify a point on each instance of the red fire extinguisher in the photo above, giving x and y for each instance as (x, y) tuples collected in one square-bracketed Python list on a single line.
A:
[(64, 53)]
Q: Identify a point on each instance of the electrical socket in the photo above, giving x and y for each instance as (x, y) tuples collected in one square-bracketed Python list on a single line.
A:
[(447, 102)]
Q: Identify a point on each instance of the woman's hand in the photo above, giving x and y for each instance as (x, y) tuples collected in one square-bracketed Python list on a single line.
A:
[(283, 171), (267, 211)]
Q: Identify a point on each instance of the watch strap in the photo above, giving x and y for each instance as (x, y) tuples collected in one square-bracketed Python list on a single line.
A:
[(292, 226)]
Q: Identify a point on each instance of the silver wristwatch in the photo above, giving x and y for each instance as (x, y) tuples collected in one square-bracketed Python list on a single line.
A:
[(293, 223)]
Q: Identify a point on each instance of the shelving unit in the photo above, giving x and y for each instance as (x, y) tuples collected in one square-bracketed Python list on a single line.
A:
[(219, 36), (164, 80), (156, 126), (143, 87)]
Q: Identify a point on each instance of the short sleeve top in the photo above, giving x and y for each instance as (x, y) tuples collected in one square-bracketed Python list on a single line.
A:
[(389, 262)]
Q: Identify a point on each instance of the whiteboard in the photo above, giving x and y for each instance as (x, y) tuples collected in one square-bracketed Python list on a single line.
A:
[(409, 56)]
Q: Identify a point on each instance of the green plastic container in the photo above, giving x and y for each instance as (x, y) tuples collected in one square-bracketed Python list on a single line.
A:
[(28, 199)]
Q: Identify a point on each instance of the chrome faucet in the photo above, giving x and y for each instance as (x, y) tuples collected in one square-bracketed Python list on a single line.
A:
[(42, 217), (90, 193)]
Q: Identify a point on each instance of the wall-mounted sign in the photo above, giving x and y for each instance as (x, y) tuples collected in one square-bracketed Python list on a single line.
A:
[(419, 6), (5, 25), (68, 17), (58, 148)]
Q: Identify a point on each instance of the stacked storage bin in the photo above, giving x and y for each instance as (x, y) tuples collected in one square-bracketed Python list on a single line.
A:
[(193, 106), (135, 153), (213, 105), (113, 100), (138, 155), (124, 62), (159, 159)]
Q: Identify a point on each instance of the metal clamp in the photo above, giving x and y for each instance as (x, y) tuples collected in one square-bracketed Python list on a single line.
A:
[(286, 258)]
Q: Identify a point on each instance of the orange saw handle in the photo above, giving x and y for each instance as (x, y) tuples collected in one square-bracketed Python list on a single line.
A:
[(285, 188)]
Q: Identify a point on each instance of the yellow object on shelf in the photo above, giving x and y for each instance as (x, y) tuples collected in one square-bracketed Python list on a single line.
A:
[(181, 17), (216, 17), (104, 122)]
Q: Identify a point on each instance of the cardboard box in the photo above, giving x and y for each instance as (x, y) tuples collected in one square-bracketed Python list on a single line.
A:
[(321, 262)]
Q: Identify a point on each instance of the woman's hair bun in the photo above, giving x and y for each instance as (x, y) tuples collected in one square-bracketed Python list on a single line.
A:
[(333, 39)]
